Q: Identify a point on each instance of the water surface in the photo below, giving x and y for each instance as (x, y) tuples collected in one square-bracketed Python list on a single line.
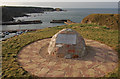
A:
[(73, 14)]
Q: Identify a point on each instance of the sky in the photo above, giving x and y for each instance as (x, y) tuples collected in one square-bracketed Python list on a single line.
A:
[(59, 0), (63, 3)]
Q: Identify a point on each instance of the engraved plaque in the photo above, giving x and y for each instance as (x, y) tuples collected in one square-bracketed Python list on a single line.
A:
[(66, 38)]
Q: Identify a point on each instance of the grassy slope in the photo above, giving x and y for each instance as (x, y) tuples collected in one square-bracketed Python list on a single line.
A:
[(109, 20), (12, 46)]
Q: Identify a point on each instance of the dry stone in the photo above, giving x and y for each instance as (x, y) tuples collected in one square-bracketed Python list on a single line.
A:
[(67, 43)]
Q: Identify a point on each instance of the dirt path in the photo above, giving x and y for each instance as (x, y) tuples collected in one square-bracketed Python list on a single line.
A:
[(99, 61)]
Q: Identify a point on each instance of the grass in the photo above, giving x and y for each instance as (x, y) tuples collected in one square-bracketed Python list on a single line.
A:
[(109, 20), (11, 47)]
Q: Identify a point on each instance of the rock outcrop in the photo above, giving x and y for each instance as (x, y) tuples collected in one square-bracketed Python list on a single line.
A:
[(66, 21), (58, 9), (8, 12), (67, 43), (22, 22), (58, 21)]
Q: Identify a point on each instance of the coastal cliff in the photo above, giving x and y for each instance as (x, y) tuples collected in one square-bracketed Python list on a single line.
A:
[(109, 20), (8, 12)]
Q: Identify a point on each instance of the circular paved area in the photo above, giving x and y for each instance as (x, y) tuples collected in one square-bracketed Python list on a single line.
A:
[(99, 61)]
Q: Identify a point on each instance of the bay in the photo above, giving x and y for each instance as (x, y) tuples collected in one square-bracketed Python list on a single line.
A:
[(73, 14)]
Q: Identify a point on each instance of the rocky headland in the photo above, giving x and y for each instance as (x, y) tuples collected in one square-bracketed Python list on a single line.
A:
[(109, 20), (8, 12)]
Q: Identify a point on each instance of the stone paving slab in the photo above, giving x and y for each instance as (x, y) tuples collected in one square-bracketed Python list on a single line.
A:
[(99, 61)]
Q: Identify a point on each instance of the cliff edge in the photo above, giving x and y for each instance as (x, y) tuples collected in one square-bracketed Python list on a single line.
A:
[(109, 20)]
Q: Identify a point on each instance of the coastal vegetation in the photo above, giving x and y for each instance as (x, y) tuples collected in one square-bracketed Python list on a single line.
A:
[(99, 27), (12, 46), (109, 20), (8, 12)]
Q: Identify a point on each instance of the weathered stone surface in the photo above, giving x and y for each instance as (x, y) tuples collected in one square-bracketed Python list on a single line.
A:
[(67, 43), (99, 61), (55, 74), (68, 56), (43, 72)]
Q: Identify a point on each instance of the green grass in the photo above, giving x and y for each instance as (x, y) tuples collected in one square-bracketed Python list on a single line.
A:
[(11, 47), (109, 20)]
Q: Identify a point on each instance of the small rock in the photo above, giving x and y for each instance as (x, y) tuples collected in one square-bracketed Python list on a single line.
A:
[(68, 56)]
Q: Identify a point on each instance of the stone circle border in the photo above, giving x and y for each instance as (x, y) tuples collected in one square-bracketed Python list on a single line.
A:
[(101, 60)]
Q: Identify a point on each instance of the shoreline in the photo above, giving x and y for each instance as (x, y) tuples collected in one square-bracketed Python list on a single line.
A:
[(22, 22), (9, 12), (14, 31)]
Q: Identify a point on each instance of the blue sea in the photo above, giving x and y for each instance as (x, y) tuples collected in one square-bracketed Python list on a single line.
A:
[(73, 14)]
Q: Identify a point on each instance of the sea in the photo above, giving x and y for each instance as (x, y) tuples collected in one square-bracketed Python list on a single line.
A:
[(73, 14)]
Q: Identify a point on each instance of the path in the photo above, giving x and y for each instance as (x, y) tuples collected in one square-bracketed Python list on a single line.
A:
[(99, 61)]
